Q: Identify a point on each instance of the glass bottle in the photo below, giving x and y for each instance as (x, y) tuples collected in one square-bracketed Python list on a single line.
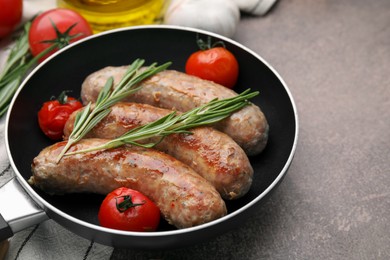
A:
[(109, 14)]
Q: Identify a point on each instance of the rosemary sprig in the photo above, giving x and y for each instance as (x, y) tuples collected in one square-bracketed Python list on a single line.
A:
[(88, 117), (174, 123), (18, 63)]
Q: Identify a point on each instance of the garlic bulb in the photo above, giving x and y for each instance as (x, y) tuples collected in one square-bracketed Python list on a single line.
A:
[(218, 16), (255, 7)]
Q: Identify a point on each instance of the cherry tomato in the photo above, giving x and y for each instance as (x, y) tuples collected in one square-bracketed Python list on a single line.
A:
[(130, 210), (54, 114), (214, 63), (59, 25), (10, 15)]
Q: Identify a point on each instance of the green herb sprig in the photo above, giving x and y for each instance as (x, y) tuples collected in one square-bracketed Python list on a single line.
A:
[(18, 62), (174, 123), (88, 117)]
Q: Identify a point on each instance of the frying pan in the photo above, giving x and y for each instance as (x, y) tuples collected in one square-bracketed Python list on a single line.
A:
[(67, 69)]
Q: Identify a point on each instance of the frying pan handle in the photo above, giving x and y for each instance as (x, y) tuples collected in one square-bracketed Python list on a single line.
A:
[(17, 210)]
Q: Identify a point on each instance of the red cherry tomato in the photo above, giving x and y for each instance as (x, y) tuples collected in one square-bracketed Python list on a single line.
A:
[(130, 210), (60, 25), (10, 15), (54, 114), (216, 64)]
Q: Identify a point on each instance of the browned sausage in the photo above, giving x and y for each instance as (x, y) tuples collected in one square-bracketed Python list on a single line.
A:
[(178, 91), (184, 198), (211, 153)]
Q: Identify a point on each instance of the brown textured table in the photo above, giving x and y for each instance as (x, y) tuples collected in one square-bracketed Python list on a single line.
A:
[(335, 201)]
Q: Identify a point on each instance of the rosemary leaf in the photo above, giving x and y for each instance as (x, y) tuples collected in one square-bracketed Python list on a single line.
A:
[(94, 121), (103, 95), (81, 117)]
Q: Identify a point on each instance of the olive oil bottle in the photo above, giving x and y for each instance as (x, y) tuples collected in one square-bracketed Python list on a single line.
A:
[(109, 14)]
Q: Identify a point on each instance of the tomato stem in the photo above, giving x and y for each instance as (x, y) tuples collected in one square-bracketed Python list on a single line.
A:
[(63, 97), (62, 39), (208, 45), (126, 203)]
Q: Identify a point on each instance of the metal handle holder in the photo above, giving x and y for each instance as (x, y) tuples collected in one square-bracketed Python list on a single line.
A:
[(17, 210)]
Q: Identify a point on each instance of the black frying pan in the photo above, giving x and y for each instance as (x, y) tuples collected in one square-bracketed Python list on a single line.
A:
[(68, 68)]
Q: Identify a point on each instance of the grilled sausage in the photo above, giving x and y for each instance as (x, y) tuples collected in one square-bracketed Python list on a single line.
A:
[(178, 91), (211, 153), (184, 198)]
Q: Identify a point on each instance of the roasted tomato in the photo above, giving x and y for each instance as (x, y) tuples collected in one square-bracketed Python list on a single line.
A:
[(130, 210), (54, 114), (10, 15), (214, 63), (56, 26)]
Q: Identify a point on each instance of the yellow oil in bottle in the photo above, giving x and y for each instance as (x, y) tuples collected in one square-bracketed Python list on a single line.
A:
[(104, 15)]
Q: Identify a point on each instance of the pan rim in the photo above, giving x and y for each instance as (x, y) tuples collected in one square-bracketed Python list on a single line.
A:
[(46, 206)]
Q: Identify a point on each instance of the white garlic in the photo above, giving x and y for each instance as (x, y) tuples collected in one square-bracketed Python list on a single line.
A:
[(255, 7), (218, 16)]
